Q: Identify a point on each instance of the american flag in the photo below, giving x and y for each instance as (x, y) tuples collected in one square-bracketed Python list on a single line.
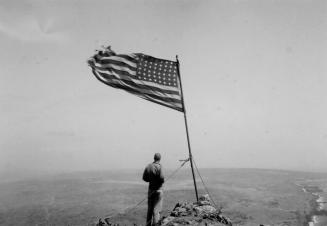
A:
[(153, 79)]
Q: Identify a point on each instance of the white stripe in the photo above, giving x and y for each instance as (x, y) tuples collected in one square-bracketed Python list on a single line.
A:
[(133, 55), (162, 94), (157, 85), (103, 70), (163, 102), (100, 77), (120, 68), (117, 58)]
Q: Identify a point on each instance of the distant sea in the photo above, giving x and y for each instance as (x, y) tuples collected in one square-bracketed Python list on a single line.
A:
[(318, 188)]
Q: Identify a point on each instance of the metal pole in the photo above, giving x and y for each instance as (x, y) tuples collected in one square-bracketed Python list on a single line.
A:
[(187, 134)]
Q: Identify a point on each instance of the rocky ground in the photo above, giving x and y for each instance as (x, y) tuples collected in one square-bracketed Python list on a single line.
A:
[(198, 213)]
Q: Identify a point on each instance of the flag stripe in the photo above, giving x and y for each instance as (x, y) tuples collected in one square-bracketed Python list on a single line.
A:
[(116, 67), (128, 59), (118, 73), (176, 106), (129, 65)]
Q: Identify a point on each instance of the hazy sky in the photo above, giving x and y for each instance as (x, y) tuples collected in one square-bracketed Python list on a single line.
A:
[(254, 76)]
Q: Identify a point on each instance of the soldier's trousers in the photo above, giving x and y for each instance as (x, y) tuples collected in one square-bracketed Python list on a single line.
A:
[(155, 198)]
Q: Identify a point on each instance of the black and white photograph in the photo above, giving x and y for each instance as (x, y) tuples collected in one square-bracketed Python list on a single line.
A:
[(163, 112)]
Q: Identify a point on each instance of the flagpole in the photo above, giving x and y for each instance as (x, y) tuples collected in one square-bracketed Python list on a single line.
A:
[(187, 134)]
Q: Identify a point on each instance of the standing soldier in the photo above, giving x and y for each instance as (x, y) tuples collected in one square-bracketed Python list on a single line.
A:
[(153, 174)]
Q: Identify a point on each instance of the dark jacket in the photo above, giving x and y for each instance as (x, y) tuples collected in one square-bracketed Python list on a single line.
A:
[(153, 174)]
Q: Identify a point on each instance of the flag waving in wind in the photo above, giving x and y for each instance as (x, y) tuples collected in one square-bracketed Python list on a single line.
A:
[(150, 78)]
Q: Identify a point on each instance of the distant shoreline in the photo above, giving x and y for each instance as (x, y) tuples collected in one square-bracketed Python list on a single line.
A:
[(312, 213), (314, 203)]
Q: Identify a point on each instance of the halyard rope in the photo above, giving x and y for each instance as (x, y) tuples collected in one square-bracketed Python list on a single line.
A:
[(205, 187)]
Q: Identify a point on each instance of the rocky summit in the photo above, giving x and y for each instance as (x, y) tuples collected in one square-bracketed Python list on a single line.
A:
[(198, 213), (201, 213)]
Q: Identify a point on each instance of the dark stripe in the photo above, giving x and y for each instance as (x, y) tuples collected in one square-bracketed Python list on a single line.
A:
[(140, 86), (153, 97), (112, 82), (115, 62), (163, 104), (127, 58), (125, 74)]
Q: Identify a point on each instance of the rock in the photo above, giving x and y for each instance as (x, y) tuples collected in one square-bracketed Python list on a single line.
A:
[(202, 203), (100, 223), (204, 209), (204, 198), (166, 220)]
